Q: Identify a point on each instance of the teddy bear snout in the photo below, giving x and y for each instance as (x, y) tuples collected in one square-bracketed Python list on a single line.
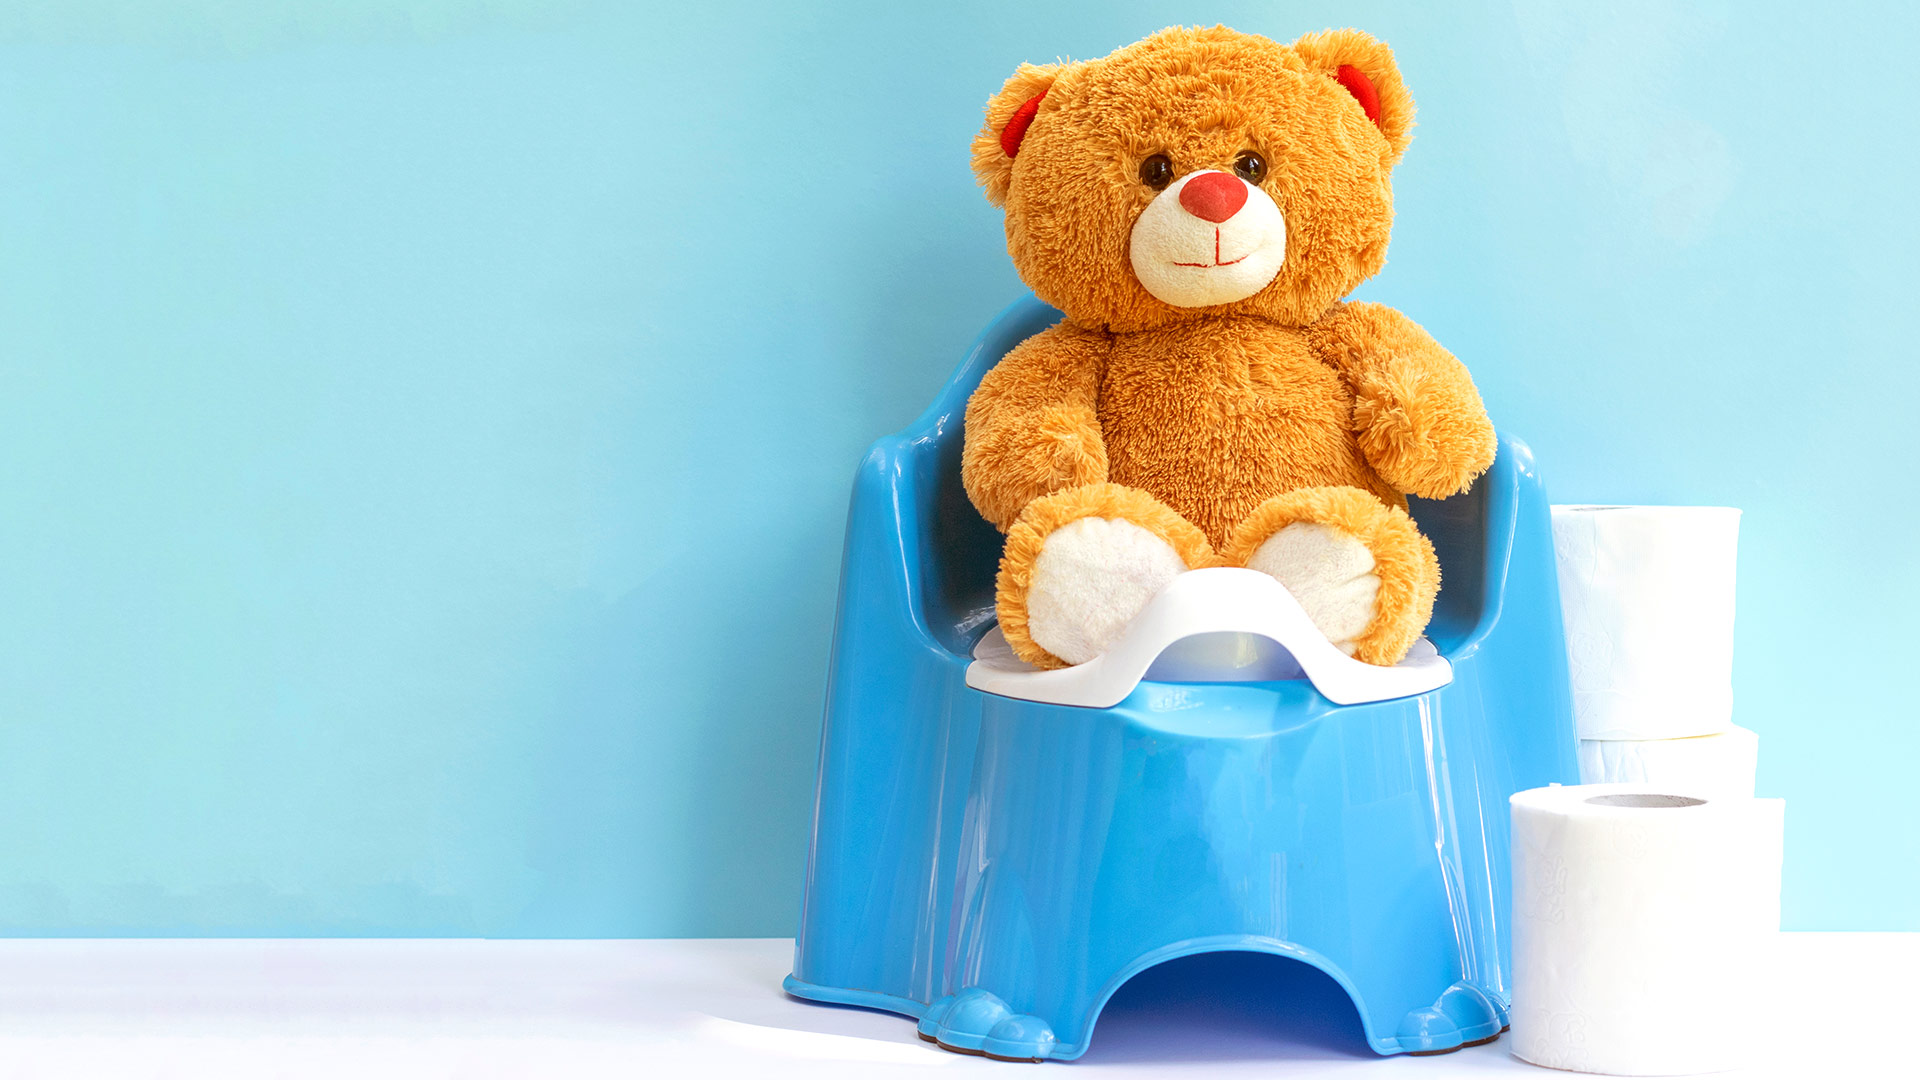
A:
[(1213, 196), (1209, 238)]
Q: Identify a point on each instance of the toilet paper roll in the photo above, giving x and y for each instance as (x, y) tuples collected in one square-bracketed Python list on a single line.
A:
[(1709, 766), (1647, 595), (1643, 923)]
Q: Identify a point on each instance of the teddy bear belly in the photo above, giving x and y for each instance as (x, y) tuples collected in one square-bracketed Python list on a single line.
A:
[(1215, 474)]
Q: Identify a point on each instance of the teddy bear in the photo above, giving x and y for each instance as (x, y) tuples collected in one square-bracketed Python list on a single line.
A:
[(1198, 205)]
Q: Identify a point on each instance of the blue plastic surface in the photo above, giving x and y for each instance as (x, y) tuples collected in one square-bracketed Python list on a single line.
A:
[(998, 868)]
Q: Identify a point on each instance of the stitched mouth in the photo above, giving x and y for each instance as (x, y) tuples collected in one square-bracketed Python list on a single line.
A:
[(1216, 256), (1211, 265)]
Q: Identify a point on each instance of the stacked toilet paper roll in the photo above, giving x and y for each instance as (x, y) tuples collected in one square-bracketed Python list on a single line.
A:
[(1716, 766), (1647, 596), (1643, 925)]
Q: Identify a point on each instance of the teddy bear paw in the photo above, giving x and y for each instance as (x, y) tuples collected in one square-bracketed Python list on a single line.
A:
[(1092, 577), (1331, 573)]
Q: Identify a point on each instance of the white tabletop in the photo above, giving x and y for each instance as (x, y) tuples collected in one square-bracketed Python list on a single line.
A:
[(419, 1009)]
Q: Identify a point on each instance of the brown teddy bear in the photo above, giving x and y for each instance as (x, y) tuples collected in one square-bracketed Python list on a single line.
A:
[(1198, 204)]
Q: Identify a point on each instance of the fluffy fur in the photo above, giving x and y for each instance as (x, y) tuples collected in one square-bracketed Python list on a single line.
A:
[(1195, 423), (1419, 419)]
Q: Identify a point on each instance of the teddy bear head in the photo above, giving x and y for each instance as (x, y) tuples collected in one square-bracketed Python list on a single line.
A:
[(1199, 172)]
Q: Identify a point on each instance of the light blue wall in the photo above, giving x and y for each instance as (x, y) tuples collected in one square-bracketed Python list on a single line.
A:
[(425, 427)]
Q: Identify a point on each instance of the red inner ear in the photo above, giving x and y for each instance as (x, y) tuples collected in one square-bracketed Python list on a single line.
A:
[(1016, 128), (1361, 88)]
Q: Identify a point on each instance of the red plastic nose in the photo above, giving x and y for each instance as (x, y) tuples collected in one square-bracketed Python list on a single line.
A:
[(1213, 196)]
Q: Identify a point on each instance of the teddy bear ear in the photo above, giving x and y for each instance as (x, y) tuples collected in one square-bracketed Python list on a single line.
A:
[(1009, 113), (1364, 66)]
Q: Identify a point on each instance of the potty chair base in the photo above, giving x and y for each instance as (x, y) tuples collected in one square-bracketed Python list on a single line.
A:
[(1089, 845)]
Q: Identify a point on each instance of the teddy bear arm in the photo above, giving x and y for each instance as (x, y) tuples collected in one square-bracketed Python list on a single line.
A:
[(1418, 417), (1033, 426)]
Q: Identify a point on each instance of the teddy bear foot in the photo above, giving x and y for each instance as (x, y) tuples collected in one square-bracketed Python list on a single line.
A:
[(1359, 567), (1081, 563), (1092, 577), (1330, 573)]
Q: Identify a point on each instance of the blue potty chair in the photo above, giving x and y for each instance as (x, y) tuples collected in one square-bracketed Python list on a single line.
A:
[(997, 867)]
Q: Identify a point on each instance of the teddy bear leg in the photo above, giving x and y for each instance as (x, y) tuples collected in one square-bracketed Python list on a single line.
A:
[(1361, 569), (1081, 563)]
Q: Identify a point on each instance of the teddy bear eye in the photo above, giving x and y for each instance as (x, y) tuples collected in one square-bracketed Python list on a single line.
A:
[(1250, 166), (1157, 172)]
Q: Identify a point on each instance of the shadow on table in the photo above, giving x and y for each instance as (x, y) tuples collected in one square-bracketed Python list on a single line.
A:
[(1231, 1006)]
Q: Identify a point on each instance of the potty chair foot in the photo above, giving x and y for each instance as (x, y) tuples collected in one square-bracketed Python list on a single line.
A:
[(1464, 1016), (1456, 1049), (924, 1037), (975, 1021)]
